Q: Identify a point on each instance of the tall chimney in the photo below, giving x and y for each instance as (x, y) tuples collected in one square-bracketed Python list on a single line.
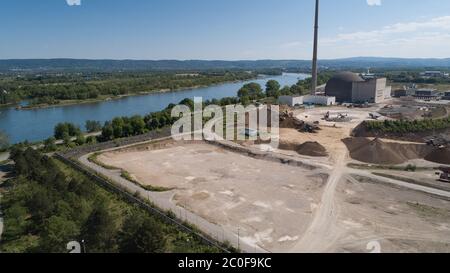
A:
[(316, 38)]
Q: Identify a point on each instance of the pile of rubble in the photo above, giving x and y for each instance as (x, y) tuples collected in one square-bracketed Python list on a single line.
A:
[(287, 120)]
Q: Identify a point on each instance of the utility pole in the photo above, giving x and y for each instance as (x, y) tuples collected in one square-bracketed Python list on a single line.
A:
[(239, 239), (316, 40)]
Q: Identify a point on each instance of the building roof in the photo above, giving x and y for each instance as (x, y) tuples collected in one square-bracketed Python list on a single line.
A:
[(347, 77)]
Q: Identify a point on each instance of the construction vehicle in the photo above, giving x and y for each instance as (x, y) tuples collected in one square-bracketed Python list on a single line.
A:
[(374, 116), (444, 174), (342, 116)]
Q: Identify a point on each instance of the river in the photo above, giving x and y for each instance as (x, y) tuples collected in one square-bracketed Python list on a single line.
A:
[(38, 124)]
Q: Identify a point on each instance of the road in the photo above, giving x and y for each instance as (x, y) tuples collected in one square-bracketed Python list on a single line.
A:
[(401, 183), (322, 231)]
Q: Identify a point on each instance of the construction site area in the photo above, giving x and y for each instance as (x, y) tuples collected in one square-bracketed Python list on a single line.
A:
[(320, 190)]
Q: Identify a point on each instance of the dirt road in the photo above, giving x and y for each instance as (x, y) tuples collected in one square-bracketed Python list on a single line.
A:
[(322, 232), (411, 186)]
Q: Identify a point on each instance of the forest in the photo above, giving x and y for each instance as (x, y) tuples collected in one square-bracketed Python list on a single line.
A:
[(46, 205), (51, 89)]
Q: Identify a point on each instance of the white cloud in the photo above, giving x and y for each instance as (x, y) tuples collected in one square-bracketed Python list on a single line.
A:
[(438, 25), (426, 38), (73, 2), (374, 2)]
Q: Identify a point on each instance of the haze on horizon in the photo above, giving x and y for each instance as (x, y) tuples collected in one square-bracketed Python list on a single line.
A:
[(222, 30)]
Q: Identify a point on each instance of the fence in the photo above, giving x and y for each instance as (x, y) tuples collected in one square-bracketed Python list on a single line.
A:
[(77, 152), (210, 233)]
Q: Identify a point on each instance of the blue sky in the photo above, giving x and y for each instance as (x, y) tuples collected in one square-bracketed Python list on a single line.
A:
[(222, 29)]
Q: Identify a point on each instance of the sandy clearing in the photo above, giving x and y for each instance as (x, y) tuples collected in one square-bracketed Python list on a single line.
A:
[(267, 201), (400, 219)]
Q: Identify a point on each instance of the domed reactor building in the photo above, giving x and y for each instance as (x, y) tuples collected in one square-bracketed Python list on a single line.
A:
[(350, 87)]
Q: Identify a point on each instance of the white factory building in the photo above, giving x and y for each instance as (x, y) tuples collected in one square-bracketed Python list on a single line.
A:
[(301, 100)]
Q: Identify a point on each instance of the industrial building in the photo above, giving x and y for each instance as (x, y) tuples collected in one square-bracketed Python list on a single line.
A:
[(309, 100), (349, 87), (400, 93), (446, 95), (290, 100), (319, 100), (434, 74), (426, 94)]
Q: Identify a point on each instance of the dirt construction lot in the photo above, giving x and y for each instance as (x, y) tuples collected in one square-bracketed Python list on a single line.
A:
[(325, 206), (281, 208), (270, 203), (401, 220)]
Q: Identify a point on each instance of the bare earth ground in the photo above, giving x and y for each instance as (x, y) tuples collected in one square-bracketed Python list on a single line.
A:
[(267, 201), (402, 220), (281, 208), (3, 156)]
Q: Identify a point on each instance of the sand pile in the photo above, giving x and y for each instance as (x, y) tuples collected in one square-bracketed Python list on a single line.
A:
[(441, 156), (308, 148), (289, 122), (312, 149), (384, 153)]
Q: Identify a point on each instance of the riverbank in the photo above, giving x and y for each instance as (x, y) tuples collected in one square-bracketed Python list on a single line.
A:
[(38, 124), (109, 98)]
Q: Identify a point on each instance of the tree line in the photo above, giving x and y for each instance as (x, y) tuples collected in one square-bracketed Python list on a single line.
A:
[(121, 127), (408, 126), (52, 89), (47, 204)]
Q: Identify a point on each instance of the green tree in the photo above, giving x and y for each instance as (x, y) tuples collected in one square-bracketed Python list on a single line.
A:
[(118, 125), (15, 221), (138, 125), (50, 145), (273, 89), (91, 140), (99, 230), (57, 232), (4, 141), (67, 140), (65, 129), (93, 126), (188, 102), (251, 90), (80, 140), (141, 234), (108, 131), (285, 91)]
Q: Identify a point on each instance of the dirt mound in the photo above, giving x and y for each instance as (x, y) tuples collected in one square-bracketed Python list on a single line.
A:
[(384, 153), (441, 156), (314, 149), (287, 120)]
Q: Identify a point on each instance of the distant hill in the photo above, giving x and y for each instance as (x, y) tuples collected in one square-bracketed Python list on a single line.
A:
[(162, 65), (375, 62)]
